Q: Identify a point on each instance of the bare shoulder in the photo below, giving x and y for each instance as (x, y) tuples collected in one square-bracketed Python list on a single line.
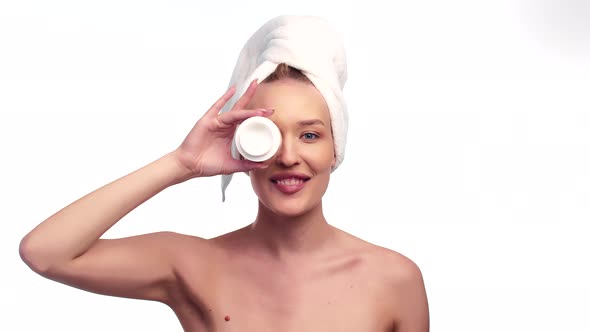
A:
[(394, 265), (181, 250), (177, 238), (167, 241), (401, 278), (401, 282), (399, 268), (184, 244), (398, 271)]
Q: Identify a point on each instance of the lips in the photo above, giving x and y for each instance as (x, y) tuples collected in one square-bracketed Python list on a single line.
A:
[(289, 183)]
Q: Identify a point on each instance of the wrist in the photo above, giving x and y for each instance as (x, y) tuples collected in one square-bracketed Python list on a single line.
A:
[(180, 171)]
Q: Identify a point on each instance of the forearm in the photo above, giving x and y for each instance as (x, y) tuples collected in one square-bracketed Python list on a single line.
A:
[(74, 229)]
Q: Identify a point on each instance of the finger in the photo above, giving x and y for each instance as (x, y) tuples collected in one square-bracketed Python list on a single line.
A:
[(216, 108), (246, 97), (234, 118), (236, 166)]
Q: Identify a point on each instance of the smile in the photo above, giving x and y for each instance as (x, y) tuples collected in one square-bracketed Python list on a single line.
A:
[(289, 182), (289, 185)]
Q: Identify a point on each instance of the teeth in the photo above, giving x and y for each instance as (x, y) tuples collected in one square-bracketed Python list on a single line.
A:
[(289, 182)]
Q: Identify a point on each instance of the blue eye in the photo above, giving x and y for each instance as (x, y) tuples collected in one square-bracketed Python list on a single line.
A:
[(310, 136)]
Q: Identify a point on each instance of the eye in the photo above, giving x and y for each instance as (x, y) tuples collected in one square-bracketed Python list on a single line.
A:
[(310, 136)]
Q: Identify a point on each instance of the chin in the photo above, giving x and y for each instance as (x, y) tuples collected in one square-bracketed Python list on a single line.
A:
[(288, 208)]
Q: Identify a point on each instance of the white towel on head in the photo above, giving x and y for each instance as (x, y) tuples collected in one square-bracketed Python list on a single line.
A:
[(309, 44)]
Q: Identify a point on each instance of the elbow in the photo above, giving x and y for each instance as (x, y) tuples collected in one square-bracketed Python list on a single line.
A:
[(32, 256)]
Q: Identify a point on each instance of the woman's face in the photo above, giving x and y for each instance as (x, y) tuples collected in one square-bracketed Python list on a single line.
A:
[(297, 176)]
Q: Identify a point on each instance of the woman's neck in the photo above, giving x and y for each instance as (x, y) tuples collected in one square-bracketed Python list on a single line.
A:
[(290, 237)]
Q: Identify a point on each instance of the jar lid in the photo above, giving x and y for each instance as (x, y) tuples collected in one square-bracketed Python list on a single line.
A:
[(257, 138)]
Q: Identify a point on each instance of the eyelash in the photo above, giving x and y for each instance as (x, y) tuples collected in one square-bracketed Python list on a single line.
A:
[(316, 136)]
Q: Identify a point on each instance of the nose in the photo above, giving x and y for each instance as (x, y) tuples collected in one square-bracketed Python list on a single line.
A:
[(287, 155)]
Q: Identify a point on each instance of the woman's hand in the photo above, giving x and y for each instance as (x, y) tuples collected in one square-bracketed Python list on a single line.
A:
[(206, 150)]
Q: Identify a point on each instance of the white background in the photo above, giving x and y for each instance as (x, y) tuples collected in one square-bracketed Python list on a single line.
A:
[(468, 145)]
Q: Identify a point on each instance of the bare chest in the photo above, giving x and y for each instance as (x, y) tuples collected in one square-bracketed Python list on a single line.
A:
[(342, 296)]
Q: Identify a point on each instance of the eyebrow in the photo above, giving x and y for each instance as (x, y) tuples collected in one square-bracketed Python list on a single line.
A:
[(311, 122)]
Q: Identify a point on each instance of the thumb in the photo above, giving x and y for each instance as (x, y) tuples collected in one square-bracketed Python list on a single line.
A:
[(245, 166)]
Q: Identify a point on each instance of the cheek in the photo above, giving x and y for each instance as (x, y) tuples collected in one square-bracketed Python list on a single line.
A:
[(321, 158), (256, 179), (260, 183)]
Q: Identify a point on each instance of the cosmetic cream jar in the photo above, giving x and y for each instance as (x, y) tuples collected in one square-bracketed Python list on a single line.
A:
[(257, 138)]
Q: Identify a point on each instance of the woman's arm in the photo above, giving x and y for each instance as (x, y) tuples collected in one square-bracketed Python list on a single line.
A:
[(70, 232), (67, 247), (411, 311)]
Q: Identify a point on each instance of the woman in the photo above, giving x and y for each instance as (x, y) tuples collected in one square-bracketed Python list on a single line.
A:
[(289, 270)]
